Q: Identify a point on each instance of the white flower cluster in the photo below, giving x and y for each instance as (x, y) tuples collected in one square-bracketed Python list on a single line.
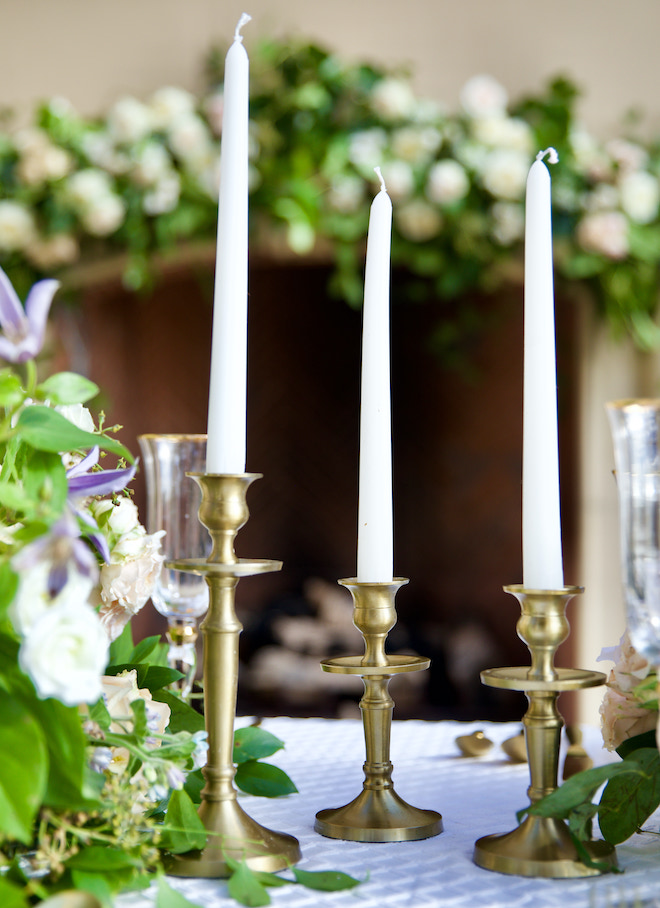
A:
[(135, 561), (65, 637)]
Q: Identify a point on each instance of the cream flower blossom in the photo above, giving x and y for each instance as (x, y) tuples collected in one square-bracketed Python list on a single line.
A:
[(623, 714), (128, 581), (17, 226), (346, 193), (129, 120), (53, 251), (418, 221), (399, 179), (604, 232), (169, 103), (393, 99), (640, 196), (505, 173), (448, 183), (119, 691)]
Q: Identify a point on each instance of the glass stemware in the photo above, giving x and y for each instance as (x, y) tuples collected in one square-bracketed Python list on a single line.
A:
[(173, 501), (635, 426)]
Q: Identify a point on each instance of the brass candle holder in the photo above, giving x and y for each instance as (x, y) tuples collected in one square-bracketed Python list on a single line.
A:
[(542, 846), (377, 814), (232, 833)]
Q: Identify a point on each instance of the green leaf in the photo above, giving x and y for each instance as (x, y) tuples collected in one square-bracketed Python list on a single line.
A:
[(575, 791), (11, 391), (68, 388), (630, 799), (8, 586), (253, 743), (97, 885), (166, 897), (98, 712), (153, 677), (263, 780), (23, 769), (45, 482), (121, 648), (325, 880), (183, 830), (646, 739), (47, 430), (11, 896), (193, 786), (102, 859), (244, 886), (182, 716), (144, 649), (66, 744)]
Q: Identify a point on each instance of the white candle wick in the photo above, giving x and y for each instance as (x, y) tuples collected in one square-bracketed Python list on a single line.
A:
[(245, 18), (553, 157), (378, 173)]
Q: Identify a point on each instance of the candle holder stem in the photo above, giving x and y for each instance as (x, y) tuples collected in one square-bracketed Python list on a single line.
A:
[(542, 846), (377, 814), (232, 833)]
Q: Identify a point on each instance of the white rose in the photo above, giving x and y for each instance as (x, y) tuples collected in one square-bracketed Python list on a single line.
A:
[(17, 226), (129, 120), (65, 654), (152, 164), (165, 195), (393, 99), (101, 151), (33, 598), (640, 196), (214, 107), (104, 215), (188, 137), (42, 161), (447, 183), (168, 104), (123, 517), (603, 197), (590, 158), (509, 222), (365, 148), (399, 179), (418, 221), (604, 232), (504, 132), (483, 96), (88, 186), (505, 173), (415, 144), (346, 193)]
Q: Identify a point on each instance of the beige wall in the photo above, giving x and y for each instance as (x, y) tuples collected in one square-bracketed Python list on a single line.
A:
[(92, 51)]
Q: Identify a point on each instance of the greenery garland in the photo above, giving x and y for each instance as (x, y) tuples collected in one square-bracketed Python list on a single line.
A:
[(144, 179)]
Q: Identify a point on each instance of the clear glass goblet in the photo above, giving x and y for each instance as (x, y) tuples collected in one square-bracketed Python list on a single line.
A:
[(635, 426), (173, 500)]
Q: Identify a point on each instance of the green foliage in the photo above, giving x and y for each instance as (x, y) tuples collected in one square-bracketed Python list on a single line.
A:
[(319, 126), (631, 794)]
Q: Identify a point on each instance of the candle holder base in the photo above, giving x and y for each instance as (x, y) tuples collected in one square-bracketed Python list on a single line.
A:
[(240, 838), (378, 816), (541, 847)]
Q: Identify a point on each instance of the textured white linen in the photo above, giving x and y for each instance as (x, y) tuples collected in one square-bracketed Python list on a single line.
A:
[(475, 797)]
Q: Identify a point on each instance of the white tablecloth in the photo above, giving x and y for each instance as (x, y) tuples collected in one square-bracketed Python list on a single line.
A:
[(475, 797)]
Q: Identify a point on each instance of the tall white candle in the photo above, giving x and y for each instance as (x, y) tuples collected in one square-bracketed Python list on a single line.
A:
[(374, 549), (228, 386), (542, 556)]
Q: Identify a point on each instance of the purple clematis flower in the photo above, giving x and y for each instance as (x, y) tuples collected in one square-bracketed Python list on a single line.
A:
[(63, 550), (82, 484), (24, 329)]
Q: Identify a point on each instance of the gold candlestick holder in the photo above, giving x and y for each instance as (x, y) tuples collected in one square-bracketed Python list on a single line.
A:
[(232, 833), (542, 846), (377, 814)]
